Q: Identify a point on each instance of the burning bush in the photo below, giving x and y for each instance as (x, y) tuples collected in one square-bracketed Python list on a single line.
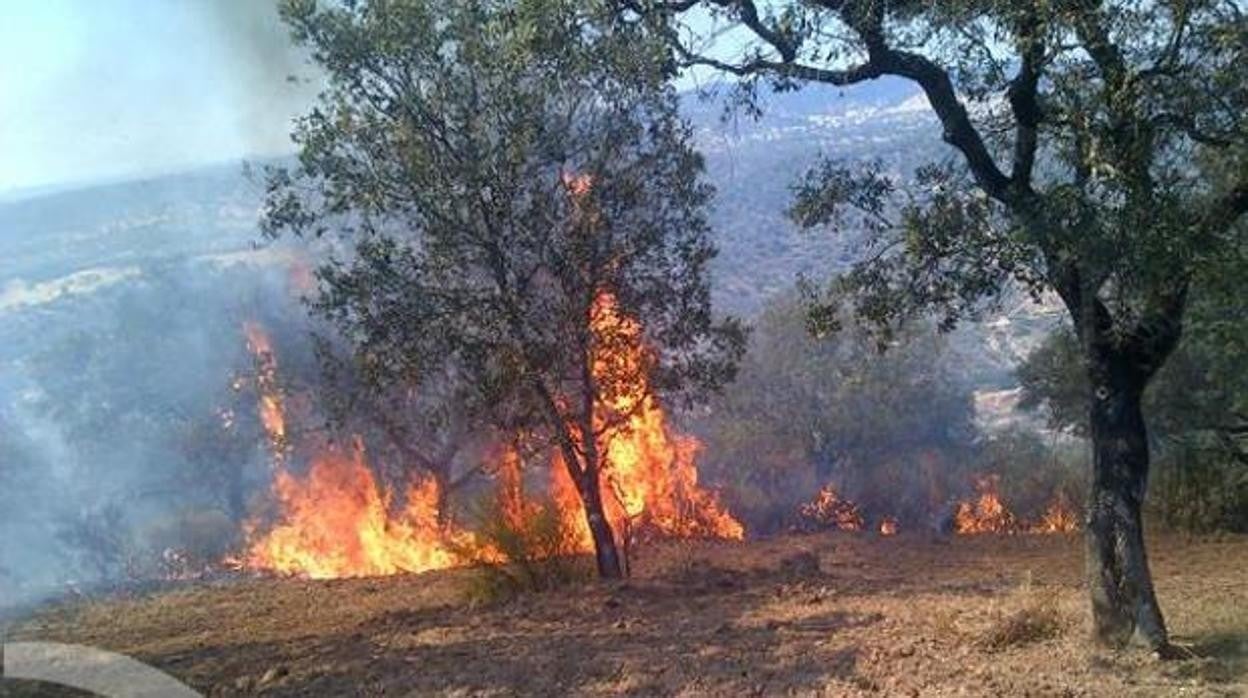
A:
[(987, 514), (524, 550), (337, 521), (829, 511)]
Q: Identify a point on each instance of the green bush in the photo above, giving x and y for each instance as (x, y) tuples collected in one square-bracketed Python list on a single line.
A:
[(538, 552)]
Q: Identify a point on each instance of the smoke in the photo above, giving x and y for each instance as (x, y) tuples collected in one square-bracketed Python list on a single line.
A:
[(112, 417), (133, 88), (271, 80)]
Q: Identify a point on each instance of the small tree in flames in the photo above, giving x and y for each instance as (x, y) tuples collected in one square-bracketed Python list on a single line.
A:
[(504, 171)]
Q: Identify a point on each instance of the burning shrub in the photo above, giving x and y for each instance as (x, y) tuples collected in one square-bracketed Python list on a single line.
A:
[(829, 511), (987, 514), (527, 550)]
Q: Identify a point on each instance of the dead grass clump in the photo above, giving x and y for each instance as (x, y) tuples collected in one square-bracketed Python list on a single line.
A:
[(533, 552), (1037, 618)]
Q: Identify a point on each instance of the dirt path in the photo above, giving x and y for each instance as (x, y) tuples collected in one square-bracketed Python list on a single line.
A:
[(837, 615)]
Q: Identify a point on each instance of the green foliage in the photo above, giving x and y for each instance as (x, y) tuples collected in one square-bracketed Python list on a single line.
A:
[(1196, 408), (807, 410), (495, 168), (1113, 171), (1197, 405), (541, 551)]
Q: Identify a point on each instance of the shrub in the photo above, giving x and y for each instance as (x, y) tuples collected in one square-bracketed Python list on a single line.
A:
[(530, 551)]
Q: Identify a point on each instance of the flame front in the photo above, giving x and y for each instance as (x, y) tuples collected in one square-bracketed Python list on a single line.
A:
[(337, 520), (988, 513), (272, 416)]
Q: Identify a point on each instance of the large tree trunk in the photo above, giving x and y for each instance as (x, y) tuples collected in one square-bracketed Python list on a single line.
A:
[(1124, 606), (605, 550)]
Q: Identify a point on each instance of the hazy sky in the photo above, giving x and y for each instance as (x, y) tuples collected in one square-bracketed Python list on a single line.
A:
[(93, 89), (100, 89)]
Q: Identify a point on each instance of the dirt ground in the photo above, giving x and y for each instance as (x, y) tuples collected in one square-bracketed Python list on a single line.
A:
[(829, 614)]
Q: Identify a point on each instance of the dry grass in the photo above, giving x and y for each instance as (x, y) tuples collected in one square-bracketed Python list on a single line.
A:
[(1036, 617), (829, 614)]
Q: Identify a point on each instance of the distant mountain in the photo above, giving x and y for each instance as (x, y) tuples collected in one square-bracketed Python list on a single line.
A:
[(68, 244), (755, 163)]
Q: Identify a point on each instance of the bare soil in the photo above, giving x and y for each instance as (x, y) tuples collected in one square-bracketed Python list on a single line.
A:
[(828, 614)]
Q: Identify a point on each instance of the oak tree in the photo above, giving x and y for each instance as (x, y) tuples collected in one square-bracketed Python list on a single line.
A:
[(1082, 135), (501, 171)]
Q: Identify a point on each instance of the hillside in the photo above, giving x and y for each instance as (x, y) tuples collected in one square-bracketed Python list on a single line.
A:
[(67, 244), (142, 286), (834, 615)]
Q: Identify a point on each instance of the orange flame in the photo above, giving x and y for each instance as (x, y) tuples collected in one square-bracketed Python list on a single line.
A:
[(650, 473), (272, 416), (988, 513), (337, 520), (888, 526), (829, 510), (1059, 517)]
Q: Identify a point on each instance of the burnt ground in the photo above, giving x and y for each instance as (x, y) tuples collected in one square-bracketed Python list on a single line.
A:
[(829, 614)]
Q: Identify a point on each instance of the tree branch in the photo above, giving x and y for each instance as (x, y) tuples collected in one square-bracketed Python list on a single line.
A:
[(1022, 97)]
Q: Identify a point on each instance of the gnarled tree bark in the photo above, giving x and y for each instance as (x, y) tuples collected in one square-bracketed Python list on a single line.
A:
[(1124, 604)]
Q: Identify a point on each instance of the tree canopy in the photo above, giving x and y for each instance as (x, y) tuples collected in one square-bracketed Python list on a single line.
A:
[(1086, 137), (517, 190)]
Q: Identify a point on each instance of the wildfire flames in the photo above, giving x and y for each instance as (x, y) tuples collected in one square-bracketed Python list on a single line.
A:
[(829, 510), (988, 514), (650, 475), (272, 416), (1058, 518), (337, 521), (985, 514)]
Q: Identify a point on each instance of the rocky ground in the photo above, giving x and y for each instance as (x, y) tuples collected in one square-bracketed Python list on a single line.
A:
[(830, 614)]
